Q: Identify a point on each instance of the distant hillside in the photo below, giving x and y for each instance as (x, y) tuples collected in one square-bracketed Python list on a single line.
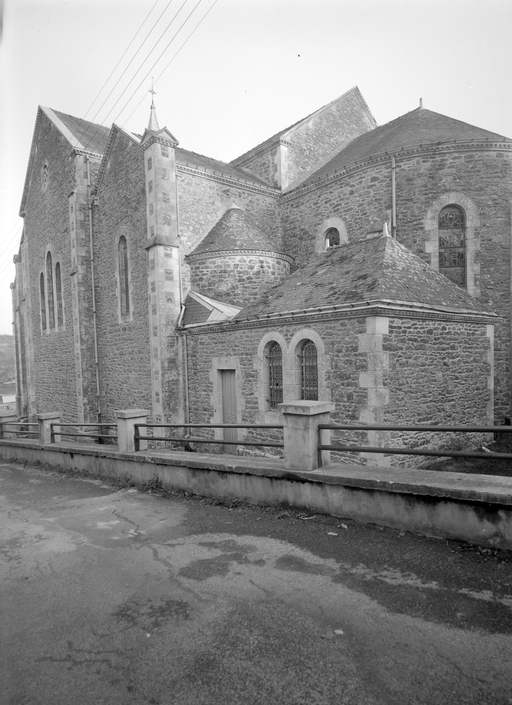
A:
[(6, 358)]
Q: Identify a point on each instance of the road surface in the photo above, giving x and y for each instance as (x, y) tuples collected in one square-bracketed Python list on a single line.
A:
[(112, 595)]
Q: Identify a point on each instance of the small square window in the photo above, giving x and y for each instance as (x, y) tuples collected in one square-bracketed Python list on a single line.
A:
[(150, 187), (165, 151), (150, 164)]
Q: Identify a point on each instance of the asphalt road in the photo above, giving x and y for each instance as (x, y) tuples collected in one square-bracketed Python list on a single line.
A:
[(113, 595)]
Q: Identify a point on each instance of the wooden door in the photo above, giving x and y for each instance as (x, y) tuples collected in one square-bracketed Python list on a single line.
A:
[(228, 387)]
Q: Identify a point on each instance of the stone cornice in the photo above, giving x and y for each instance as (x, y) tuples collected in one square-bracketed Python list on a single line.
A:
[(229, 180), (404, 152), (361, 310), (159, 139), (235, 253)]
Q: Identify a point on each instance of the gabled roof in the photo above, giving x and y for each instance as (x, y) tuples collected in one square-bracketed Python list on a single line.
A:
[(418, 127), (199, 161), (375, 270), (234, 231), (283, 134), (81, 134), (201, 309)]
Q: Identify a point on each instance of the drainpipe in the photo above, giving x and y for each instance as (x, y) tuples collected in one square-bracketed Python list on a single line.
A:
[(182, 313), (393, 198), (93, 287)]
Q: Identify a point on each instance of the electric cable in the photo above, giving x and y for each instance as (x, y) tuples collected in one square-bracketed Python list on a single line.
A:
[(132, 79), (125, 52), (156, 62), (175, 55), (131, 61)]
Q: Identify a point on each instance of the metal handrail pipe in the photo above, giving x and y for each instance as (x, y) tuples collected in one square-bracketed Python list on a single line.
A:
[(445, 429), (85, 435), (84, 425), (207, 425), (411, 451), (209, 440)]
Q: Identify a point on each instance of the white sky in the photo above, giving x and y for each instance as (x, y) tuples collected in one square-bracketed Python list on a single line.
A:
[(251, 68)]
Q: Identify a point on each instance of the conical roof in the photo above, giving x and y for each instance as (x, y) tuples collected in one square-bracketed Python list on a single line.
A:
[(420, 126), (234, 231), (379, 269)]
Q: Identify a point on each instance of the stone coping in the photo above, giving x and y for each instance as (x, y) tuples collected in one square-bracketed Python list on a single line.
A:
[(489, 489)]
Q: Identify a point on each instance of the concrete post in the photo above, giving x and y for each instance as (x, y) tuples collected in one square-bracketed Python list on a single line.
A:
[(45, 431), (126, 420), (301, 420)]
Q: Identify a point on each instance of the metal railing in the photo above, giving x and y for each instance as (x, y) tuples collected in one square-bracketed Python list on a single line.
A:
[(488, 455), (82, 434), (199, 439), (20, 428)]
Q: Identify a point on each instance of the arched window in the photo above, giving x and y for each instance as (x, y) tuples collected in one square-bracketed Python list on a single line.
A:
[(124, 292), (58, 288), (275, 375), (452, 244), (49, 289), (308, 371), (332, 238), (43, 301)]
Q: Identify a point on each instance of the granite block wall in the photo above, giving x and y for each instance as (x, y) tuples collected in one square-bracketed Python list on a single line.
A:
[(362, 199), (123, 342), (54, 176)]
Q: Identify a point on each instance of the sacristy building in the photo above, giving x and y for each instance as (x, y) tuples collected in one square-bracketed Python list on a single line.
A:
[(338, 260)]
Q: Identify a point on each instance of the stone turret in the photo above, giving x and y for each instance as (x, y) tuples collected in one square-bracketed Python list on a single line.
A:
[(235, 263), (162, 245)]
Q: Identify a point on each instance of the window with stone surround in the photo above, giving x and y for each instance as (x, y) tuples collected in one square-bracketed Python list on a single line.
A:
[(452, 239), (49, 291), (308, 358), (274, 358), (123, 278), (42, 299), (58, 290), (452, 244), (332, 238)]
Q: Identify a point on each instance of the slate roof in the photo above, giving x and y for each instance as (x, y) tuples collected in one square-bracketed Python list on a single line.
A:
[(420, 126), (186, 157), (93, 137), (275, 138), (378, 269), (234, 231), (202, 309)]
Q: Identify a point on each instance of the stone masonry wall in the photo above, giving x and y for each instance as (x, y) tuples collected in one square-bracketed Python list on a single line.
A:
[(47, 226), (237, 279), (438, 372), (411, 371), (265, 165), (124, 344), (321, 137), (203, 200), (362, 199)]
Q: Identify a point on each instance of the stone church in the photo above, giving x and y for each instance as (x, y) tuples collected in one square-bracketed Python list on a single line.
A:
[(338, 260)]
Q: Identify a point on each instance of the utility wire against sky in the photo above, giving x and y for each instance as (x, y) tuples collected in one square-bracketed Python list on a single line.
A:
[(156, 62), (175, 55), (125, 52), (142, 64), (133, 58)]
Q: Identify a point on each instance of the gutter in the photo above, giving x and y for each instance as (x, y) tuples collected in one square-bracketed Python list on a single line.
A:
[(90, 202)]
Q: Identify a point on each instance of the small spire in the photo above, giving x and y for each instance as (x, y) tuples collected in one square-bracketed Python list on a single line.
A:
[(153, 121), (421, 102)]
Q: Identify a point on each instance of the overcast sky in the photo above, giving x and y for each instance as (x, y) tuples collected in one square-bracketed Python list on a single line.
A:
[(246, 69)]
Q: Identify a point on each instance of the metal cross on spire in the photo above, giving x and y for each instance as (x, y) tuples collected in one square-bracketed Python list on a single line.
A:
[(153, 122)]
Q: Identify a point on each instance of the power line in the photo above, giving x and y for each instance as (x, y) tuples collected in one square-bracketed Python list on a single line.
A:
[(175, 55), (140, 67), (130, 62), (125, 52), (7, 245), (156, 62)]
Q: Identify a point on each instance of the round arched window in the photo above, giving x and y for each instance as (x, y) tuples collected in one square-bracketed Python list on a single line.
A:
[(452, 244), (332, 238)]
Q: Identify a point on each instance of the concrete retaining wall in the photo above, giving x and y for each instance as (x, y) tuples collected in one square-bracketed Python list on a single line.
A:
[(473, 508)]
